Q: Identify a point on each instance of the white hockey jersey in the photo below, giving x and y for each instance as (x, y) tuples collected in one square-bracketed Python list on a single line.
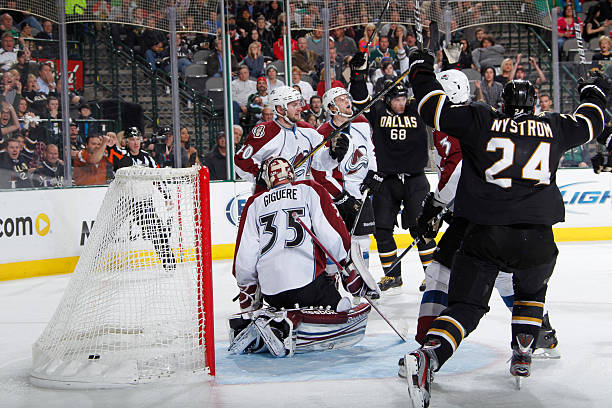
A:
[(271, 139), (350, 172), (274, 251)]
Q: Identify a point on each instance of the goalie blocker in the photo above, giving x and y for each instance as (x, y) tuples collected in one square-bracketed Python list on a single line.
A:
[(285, 332)]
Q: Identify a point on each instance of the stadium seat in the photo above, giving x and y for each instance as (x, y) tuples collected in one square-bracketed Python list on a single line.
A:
[(195, 70), (201, 55), (594, 44), (197, 82), (472, 74)]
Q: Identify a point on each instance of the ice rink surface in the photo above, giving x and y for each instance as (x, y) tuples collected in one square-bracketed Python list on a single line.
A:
[(579, 302)]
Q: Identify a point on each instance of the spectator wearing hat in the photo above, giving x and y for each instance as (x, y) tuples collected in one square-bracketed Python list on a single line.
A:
[(488, 90), (271, 80), (215, 159), (46, 79), (254, 60), (257, 100), (84, 116)]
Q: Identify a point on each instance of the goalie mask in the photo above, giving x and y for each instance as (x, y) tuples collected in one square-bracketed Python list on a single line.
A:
[(456, 86), (277, 170), (518, 96), (329, 101)]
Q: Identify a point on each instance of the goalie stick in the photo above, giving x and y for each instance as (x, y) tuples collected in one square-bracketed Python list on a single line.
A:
[(343, 269), (418, 239)]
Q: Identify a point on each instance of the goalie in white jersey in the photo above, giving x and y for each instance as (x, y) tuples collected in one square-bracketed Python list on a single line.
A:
[(275, 256), (289, 137)]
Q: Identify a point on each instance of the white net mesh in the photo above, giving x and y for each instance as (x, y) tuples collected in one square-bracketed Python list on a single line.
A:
[(133, 311), (464, 13)]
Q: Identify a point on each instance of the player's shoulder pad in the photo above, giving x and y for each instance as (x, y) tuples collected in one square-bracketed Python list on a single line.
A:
[(265, 131), (325, 129), (360, 119), (303, 124)]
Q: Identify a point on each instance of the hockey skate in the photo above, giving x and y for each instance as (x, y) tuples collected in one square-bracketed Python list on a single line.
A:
[(419, 369), (520, 362), (546, 343), (389, 282)]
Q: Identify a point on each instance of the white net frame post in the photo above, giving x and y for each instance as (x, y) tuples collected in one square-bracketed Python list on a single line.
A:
[(138, 308)]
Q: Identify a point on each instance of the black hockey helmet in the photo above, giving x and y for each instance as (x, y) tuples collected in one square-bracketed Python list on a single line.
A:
[(395, 92), (132, 132), (518, 95)]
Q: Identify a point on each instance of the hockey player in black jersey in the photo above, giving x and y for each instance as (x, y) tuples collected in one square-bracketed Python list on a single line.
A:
[(508, 194), (400, 141)]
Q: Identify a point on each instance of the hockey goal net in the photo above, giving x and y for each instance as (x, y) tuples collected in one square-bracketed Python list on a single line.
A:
[(139, 305)]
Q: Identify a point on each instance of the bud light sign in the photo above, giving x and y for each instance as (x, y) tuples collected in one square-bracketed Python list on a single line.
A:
[(580, 197), (234, 207)]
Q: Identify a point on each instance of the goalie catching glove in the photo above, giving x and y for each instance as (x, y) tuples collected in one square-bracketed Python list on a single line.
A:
[(425, 222), (372, 181)]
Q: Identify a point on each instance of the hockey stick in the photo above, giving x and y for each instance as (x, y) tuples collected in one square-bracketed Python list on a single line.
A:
[(363, 200), (418, 239), (418, 26), (343, 269), (350, 120), (580, 44), (378, 23)]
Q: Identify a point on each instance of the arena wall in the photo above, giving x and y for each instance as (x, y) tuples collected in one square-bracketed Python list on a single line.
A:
[(42, 232)]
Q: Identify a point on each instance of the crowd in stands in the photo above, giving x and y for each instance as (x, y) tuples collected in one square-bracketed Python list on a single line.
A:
[(30, 94)]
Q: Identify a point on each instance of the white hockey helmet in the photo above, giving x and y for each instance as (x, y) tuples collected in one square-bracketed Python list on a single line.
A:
[(329, 100), (283, 95), (456, 85), (276, 170)]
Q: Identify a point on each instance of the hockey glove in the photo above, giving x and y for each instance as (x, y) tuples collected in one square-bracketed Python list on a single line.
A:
[(594, 89), (421, 62), (373, 181), (425, 221), (606, 138), (259, 180), (339, 145), (359, 67), (348, 207), (249, 297)]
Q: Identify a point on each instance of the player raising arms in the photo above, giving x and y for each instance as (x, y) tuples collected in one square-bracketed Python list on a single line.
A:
[(347, 182), (448, 162), (508, 194), (400, 139), (289, 137)]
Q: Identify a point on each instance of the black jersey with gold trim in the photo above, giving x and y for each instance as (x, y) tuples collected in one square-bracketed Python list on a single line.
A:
[(509, 163)]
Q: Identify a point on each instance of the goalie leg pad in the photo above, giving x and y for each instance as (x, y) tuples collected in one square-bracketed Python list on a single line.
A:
[(362, 268), (276, 335), (246, 340)]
